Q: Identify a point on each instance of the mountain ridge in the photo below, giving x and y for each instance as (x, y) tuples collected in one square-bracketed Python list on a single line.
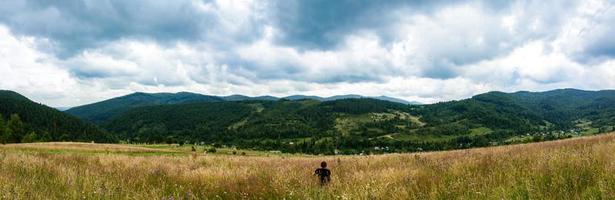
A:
[(43, 123), (103, 110), (351, 124)]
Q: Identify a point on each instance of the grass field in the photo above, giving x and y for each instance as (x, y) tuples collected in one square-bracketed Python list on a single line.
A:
[(578, 168)]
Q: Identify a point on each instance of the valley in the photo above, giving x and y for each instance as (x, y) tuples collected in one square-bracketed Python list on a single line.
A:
[(311, 125)]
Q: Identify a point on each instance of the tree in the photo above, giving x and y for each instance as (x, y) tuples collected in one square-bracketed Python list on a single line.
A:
[(3, 132), (15, 128), (29, 138), (45, 137)]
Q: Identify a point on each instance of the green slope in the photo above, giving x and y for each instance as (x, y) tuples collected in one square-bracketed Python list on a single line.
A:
[(354, 125), (102, 111), (43, 120)]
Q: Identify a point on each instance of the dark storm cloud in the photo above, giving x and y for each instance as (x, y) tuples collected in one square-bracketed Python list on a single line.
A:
[(77, 25), (323, 24), (604, 48), (442, 49), (598, 36)]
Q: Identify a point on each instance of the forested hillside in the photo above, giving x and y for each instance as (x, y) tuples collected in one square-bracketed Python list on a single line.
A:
[(371, 125), (22, 120), (346, 125), (102, 111)]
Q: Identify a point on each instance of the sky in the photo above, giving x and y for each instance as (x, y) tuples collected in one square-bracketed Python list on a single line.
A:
[(69, 53)]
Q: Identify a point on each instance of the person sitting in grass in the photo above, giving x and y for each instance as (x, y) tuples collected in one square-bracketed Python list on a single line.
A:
[(193, 152), (323, 173)]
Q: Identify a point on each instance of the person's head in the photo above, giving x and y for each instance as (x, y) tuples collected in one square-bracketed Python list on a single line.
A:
[(323, 164)]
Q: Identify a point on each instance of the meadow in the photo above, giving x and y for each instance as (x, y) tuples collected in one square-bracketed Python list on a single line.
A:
[(577, 168)]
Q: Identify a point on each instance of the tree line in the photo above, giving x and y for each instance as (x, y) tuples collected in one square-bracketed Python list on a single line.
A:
[(14, 130)]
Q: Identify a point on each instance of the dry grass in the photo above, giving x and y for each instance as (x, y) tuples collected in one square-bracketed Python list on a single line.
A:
[(79, 146), (580, 168)]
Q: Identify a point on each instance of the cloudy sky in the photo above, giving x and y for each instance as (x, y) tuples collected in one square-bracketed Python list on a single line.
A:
[(68, 53)]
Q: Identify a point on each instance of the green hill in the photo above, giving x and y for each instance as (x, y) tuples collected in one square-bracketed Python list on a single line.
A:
[(37, 122), (345, 125), (104, 110), (252, 123), (364, 124)]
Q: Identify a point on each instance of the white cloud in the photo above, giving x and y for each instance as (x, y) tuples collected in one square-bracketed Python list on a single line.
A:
[(453, 52), (360, 57), (30, 72)]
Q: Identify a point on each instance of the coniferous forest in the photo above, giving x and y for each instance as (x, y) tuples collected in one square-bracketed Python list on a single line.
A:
[(22, 120), (341, 126)]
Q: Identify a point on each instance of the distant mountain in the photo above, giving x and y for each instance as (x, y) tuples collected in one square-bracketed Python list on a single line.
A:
[(349, 96), (237, 97), (62, 108), (522, 112), (396, 100), (339, 97), (303, 97), (47, 123), (312, 124), (352, 123), (242, 122), (266, 98), (102, 111)]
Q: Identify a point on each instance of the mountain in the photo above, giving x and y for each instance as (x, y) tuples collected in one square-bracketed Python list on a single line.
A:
[(248, 123), (346, 124), (303, 97), (340, 97), (237, 97), (349, 96), (318, 98), (353, 124), (62, 108), (396, 100), (43, 123), (559, 109), (102, 111), (265, 98), (564, 106)]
